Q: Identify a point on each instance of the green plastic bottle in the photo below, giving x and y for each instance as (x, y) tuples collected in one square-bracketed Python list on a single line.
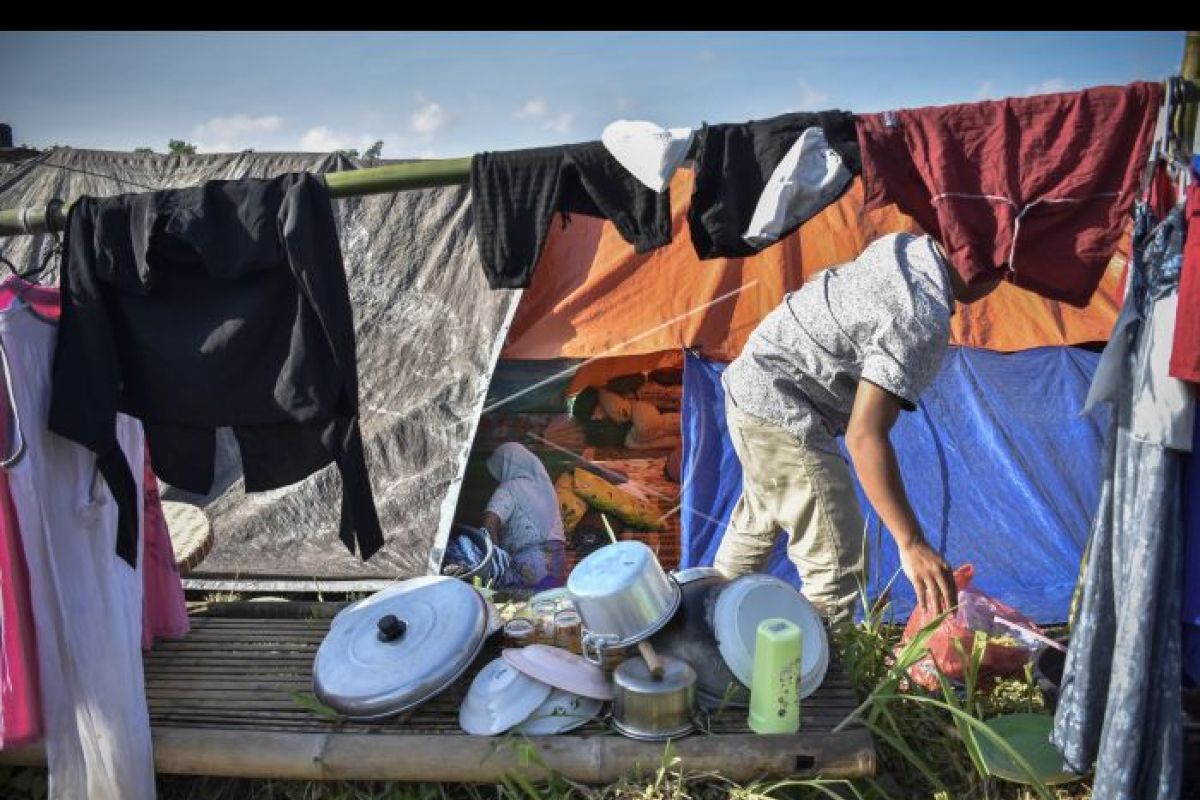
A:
[(775, 691)]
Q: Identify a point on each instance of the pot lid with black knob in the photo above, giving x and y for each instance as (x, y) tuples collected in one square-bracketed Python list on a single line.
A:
[(400, 647)]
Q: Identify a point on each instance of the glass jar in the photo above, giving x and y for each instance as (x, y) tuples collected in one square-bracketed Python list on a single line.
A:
[(543, 618), (520, 631), (568, 631)]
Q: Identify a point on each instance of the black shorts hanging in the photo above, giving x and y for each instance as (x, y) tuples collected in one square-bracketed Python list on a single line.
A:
[(734, 164), (515, 195)]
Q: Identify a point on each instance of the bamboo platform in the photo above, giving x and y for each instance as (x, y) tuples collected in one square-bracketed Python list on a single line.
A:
[(228, 700)]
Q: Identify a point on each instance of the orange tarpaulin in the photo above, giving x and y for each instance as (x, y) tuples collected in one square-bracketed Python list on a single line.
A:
[(592, 296)]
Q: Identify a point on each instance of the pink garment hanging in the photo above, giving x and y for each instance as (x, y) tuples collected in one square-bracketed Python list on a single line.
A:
[(87, 602), (20, 697), (164, 610), (45, 300)]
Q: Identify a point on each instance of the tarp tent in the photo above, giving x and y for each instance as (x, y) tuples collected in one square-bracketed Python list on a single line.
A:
[(1005, 472), (592, 296), (429, 333), (1002, 471)]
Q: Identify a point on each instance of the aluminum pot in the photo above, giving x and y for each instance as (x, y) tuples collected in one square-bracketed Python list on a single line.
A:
[(486, 568), (689, 637), (623, 597), (654, 709)]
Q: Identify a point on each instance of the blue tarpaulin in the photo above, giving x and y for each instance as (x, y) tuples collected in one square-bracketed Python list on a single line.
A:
[(1001, 469)]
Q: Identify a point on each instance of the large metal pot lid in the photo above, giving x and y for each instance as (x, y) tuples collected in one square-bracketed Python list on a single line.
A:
[(400, 647)]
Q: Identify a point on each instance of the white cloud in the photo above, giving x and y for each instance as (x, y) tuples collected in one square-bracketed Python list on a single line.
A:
[(236, 132), (1047, 87), (538, 110), (323, 139), (986, 91), (534, 107), (561, 123), (811, 98), (429, 118)]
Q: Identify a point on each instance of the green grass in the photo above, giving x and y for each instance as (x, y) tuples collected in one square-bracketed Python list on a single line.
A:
[(928, 742)]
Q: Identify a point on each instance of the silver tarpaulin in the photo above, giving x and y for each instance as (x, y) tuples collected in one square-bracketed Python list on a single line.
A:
[(429, 333)]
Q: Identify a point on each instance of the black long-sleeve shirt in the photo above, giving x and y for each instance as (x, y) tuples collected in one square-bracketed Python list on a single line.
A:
[(220, 305)]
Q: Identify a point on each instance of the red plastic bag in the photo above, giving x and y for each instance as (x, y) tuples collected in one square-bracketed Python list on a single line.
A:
[(1008, 649)]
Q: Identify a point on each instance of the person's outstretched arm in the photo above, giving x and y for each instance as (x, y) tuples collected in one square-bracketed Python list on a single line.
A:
[(867, 439)]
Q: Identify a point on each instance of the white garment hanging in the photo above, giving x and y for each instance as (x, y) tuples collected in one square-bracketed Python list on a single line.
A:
[(1163, 410), (87, 602), (650, 152), (807, 179)]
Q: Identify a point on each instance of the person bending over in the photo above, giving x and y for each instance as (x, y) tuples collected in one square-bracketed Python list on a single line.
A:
[(842, 355)]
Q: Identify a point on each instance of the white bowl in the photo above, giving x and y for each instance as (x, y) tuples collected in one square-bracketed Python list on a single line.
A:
[(561, 712), (749, 600), (560, 668), (499, 698)]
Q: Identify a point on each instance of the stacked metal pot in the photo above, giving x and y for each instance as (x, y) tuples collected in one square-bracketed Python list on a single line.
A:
[(699, 624), (654, 644)]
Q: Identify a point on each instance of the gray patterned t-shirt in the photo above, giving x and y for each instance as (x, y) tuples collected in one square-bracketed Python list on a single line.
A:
[(884, 317)]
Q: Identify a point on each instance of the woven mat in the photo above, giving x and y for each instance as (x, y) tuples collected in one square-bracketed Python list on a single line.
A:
[(191, 534)]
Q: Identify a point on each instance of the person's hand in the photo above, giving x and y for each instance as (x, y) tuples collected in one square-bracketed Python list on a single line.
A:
[(931, 577)]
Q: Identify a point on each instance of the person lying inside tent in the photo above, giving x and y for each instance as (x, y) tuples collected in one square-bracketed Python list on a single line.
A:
[(522, 517), (842, 355)]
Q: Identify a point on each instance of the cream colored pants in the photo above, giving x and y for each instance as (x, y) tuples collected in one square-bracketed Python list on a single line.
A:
[(810, 495)]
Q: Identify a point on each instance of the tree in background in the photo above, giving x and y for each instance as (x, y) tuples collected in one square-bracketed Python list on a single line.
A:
[(374, 152), (348, 152), (178, 147), (144, 151)]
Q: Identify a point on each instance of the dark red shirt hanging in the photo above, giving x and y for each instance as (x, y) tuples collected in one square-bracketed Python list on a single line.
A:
[(1037, 189), (1185, 350)]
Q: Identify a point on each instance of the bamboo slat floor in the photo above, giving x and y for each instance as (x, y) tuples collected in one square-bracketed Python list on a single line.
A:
[(234, 685)]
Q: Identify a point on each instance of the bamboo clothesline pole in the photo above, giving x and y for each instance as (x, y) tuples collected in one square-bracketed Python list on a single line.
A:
[(351, 183), (398, 177)]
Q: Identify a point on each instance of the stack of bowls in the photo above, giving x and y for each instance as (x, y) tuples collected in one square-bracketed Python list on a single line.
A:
[(538, 690)]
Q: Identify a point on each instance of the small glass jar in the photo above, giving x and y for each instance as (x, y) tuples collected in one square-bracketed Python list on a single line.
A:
[(520, 631), (568, 631), (543, 613)]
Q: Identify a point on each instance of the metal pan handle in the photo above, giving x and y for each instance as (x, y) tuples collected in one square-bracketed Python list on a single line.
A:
[(594, 645)]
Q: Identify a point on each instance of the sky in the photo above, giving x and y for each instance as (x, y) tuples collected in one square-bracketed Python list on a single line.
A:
[(444, 95)]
